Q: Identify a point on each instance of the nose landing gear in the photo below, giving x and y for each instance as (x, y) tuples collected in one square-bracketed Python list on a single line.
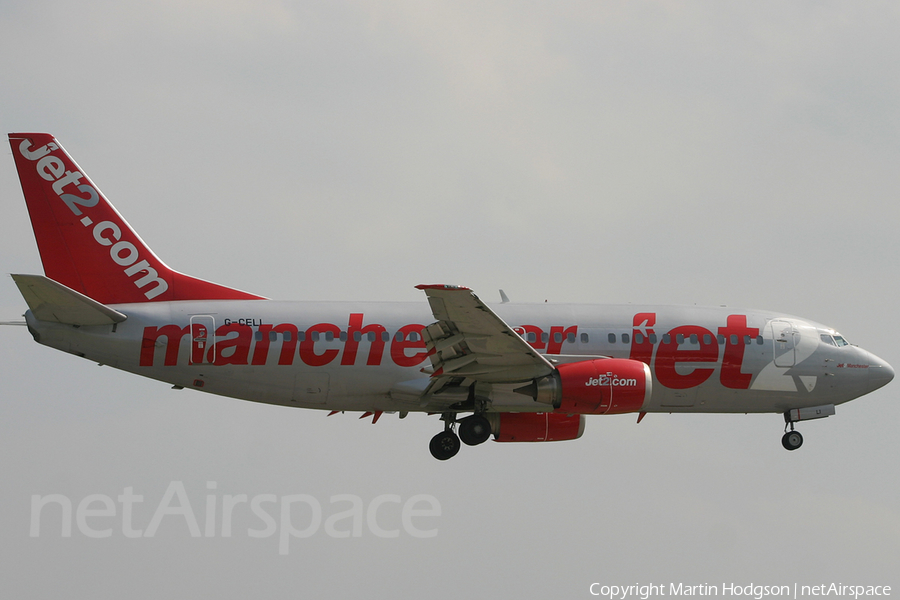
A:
[(791, 440)]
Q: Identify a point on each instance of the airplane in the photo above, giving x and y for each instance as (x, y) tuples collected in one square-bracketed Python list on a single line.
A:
[(517, 372)]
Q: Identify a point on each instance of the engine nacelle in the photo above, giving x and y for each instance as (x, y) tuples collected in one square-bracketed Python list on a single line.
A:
[(600, 386), (535, 427)]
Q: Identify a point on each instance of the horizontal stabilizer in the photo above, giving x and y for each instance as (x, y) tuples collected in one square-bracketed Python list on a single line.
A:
[(52, 301)]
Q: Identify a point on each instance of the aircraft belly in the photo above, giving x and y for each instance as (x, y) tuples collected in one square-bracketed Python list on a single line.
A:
[(713, 398)]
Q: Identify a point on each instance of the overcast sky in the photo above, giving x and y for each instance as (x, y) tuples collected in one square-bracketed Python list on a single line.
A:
[(739, 153)]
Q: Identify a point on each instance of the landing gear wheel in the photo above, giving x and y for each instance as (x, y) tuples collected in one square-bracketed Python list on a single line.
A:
[(444, 445), (474, 430), (792, 440)]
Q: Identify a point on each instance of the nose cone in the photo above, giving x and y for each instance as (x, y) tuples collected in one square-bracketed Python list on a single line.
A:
[(880, 373)]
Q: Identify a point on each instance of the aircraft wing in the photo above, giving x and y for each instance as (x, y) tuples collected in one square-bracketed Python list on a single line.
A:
[(470, 341)]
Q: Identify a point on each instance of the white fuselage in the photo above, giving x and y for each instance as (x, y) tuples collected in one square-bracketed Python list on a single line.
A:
[(363, 355)]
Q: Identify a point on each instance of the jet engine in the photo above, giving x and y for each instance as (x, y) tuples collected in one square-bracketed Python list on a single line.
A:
[(535, 427), (599, 386)]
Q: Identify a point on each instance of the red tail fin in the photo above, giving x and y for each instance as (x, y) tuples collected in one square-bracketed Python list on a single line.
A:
[(85, 244)]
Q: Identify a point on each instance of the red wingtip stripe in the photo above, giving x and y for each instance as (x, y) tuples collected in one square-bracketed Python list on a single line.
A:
[(441, 286)]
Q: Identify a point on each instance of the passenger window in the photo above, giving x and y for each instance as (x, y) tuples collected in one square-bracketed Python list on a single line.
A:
[(273, 336), (639, 338), (625, 338), (652, 338), (570, 338), (357, 336), (413, 336), (531, 337), (385, 336), (720, 338), (734, 339), (398, 336), (343, 336), (301, 335), (329, 336), (612, 338), (557, 337), (667, 339), (287, 336), (584, 338), (545, 337), (759, 341), (707, 339), (694, 339), (746, 340), (679, 339)]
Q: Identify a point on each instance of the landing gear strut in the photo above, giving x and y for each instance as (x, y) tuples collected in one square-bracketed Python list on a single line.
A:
[(791, 440)]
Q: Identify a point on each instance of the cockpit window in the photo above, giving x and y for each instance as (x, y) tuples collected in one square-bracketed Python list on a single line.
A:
[(840, 341), (827, 339)]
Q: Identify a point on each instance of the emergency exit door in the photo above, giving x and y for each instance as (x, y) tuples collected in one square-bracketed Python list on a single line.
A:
[(203, 340)]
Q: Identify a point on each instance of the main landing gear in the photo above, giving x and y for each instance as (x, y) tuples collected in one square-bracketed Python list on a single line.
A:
[(473, 430), (791, 440)]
